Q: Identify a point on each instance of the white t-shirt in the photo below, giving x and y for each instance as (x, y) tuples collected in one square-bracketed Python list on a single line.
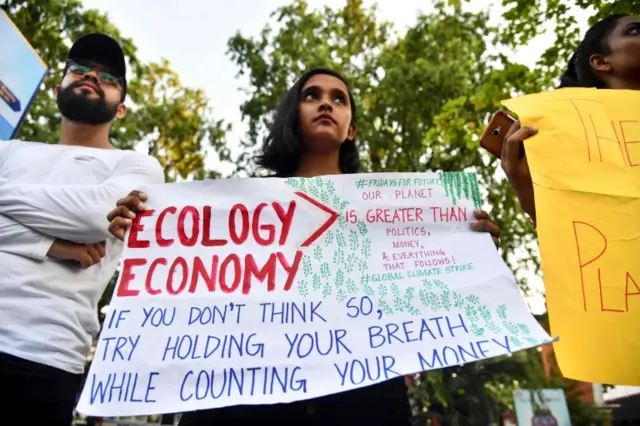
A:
[(48, 309)]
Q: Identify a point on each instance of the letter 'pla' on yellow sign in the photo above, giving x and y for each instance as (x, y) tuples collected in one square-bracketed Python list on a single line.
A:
[(585, 165)]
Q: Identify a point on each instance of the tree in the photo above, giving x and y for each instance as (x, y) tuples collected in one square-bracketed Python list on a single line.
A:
[(174, 122), (422, 98), (523, 20), (347, 39)]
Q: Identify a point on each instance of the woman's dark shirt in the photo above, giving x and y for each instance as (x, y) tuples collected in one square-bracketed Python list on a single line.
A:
[(383, 404)]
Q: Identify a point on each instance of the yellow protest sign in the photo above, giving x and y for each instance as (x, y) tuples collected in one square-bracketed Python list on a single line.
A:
[(585, 165)]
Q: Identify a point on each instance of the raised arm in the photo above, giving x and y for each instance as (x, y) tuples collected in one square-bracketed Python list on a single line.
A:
[(15, 238), (76, 212)]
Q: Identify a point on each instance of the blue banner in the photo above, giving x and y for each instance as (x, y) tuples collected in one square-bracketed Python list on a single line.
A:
[(21, 73)]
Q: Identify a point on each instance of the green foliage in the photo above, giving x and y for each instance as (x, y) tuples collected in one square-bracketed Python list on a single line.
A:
[(523, 20), (175, 123), (348, 39), (422, 97)]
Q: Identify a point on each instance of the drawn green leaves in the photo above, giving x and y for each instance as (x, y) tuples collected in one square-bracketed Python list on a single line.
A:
[(472, 315), (317, 283), (487, 318), (404, 302), (327, 289), (362, 266), (303, 287), (436, 297), (307, 268), (317, 253), (461, 185), (353, 240), (458, 301), (520, 333), (324, 270), (351, 286), (351, 262), (328, 238), (397, 301), (338, 266), (344, 249), (366, 249), (341, 294), (382, 302), (362, 228)]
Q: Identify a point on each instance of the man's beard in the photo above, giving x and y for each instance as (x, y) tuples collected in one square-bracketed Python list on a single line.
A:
[(82, 109)]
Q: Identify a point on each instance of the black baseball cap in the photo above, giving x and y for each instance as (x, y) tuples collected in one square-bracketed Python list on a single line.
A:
[(103, 49)]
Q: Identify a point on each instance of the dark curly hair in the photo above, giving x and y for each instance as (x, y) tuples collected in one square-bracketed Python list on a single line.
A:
[(283, 147), (579, 72)]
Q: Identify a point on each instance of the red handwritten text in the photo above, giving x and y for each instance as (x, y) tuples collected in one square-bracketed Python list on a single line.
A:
[(413, 193), (371, 195), (409, 231), (227, 274), (410, 214), (624, 133), (449, 214), (240, 226), (234, 271), (614, 300)]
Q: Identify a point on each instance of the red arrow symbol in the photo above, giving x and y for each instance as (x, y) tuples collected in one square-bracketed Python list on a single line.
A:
[(326, 225)]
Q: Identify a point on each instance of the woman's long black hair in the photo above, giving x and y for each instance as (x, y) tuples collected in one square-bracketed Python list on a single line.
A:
[(283, 147), (579, 72)]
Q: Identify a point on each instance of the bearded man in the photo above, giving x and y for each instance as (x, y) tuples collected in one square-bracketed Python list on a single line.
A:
[(56, 254)]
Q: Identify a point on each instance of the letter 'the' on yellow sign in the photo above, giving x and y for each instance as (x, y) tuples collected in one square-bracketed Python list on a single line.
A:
[(585, 165)]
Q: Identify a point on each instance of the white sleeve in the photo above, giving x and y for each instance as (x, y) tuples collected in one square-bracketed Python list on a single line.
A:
[(77, 213), (4, 149), (17, 239)]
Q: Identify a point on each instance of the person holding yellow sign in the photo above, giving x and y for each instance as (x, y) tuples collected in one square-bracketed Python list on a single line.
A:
[(607, 58), (582, 152)]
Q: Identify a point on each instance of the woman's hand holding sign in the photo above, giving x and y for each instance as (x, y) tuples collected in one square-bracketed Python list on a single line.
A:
[(514, 163), (122, 216), (484, 223)]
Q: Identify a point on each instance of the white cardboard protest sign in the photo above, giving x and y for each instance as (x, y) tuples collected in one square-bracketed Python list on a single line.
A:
[(260, 291)]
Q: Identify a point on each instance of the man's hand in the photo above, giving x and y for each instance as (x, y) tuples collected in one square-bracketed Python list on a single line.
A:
[(515, 166), (484, 223), (85, 255), (122, 216)]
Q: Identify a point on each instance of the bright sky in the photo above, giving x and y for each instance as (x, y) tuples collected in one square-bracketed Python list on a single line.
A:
[(193, 34)]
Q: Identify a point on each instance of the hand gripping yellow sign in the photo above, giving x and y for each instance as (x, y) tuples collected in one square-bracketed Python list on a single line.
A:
[(585, 165)]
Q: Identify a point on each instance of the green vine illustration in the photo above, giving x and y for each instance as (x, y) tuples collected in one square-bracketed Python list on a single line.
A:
[(344, 253), (461, 185), (436, 296)]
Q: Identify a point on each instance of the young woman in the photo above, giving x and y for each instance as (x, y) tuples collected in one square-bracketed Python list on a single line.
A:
[(607, 58), (313, 134)]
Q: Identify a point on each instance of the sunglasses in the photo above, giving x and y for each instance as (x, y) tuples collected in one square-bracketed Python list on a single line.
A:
[(105, 76)]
